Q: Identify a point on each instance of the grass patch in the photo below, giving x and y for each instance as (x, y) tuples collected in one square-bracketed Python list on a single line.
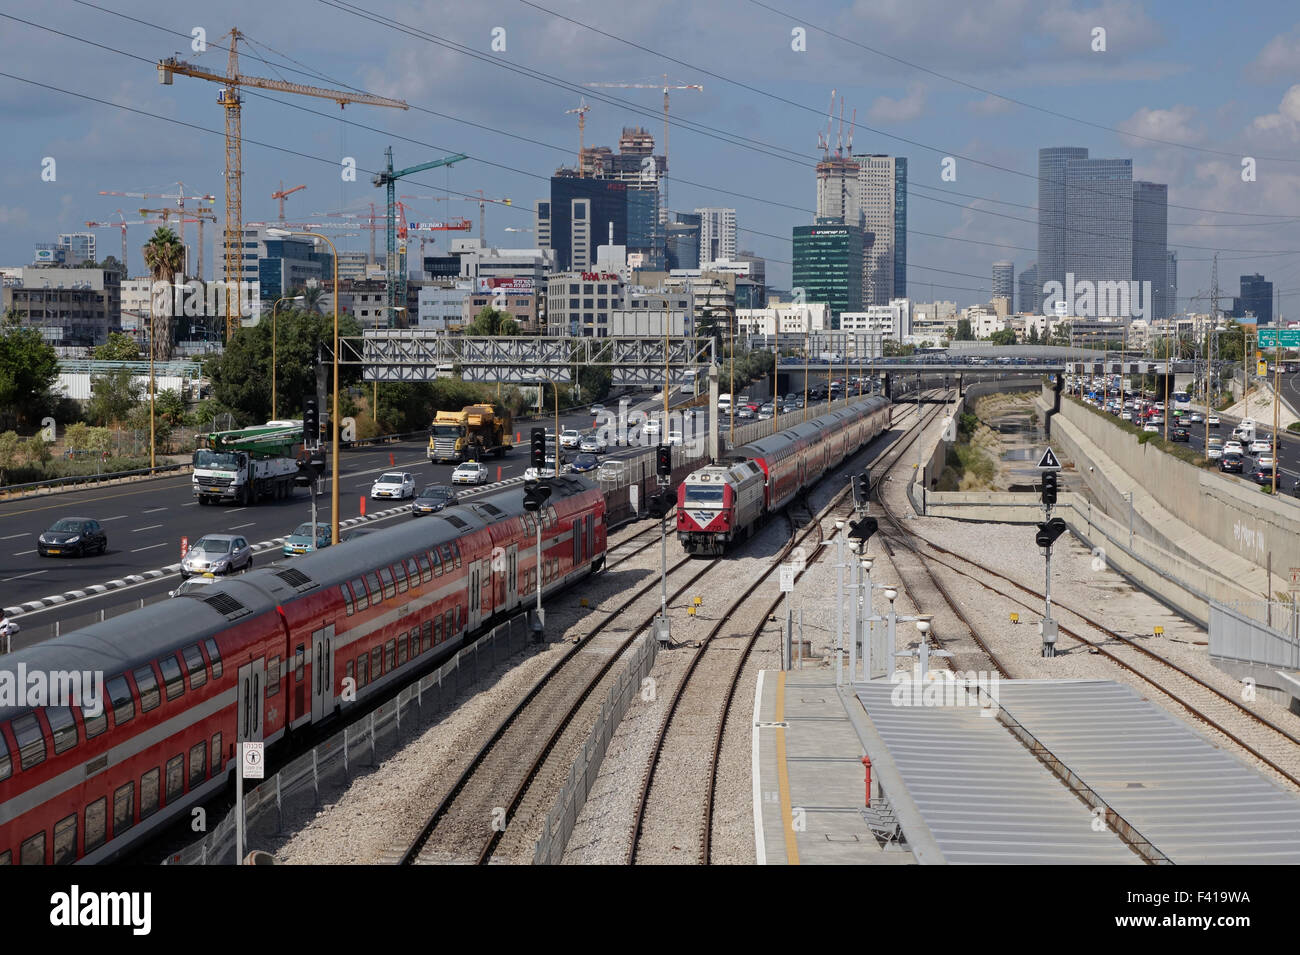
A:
[(1176, 449)]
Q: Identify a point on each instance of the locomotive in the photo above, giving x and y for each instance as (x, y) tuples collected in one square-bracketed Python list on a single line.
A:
[(723, 503), (260, 657)]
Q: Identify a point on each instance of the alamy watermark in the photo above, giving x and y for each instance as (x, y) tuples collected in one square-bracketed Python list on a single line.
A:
[(195, 299), (688, 428), (939, 688), (28, 689), (1084, 298)]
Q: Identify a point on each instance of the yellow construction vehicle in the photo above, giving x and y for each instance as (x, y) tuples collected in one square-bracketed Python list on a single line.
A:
[(470, 434)]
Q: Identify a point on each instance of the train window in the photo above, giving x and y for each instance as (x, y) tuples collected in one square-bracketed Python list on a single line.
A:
[(428, 637), (63, 726), (96, 824), (147, 684), (363, 670), (390, 655), (95, 724), (198, 764), (119, 692), (65, 840), (33, 850), (448, 557), (149, 793), (214, 657), (401, 650), (31, 741), (6, 763), (373, 583), (194, 664), (399, 572), (437, 561), (172, 679), (437, 631), (273, 677), (123, 809), (299, 661), (386, 576), (216, 753), (426, 571), (359, 594), (376, 663), (346, 594), (175, 778), (6, 857), (413, 571), (455, 549), (448, 625)]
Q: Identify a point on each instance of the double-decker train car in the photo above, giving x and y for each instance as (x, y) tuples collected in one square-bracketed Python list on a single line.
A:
[(789, 462), (259, 657)]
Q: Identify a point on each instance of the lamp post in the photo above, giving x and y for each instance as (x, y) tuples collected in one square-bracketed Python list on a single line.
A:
[(374, 393), (284, 298), (334, 412)]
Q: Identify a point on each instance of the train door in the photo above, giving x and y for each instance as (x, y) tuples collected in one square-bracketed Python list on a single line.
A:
[(322, 673), (512, 577), (252, 694), (475, 594)]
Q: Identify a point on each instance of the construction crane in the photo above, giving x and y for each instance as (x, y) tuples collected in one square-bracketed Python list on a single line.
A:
[(371, 222), (178, 195), (284, 194), (457, 224), (666, 86), (231, 102), (482, 204), (116, 225), (582, 110), (396, 286)]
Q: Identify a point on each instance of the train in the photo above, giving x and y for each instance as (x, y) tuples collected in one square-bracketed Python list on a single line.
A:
[(723, 503), (260, 657)]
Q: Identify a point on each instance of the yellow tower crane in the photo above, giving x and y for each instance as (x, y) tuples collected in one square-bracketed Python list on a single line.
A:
[(228, 97), (582, 110)]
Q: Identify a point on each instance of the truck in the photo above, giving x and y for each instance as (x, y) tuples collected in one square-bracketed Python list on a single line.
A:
[(469, 434), (1245, 432), (249, 464)]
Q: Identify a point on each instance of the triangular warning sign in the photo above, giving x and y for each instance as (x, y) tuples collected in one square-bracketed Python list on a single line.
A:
[(1048, 462)]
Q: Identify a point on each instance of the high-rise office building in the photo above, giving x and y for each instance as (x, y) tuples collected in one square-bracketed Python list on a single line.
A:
[(1099, 222), (581, 214), (542, 224), (80, 247), (683, 251), (1171, 282), (1052, 166), (1004, 282), (837, 191), (1256, 299), (717, 234), (882, 202), (828, 267), (1029, 297), (1151, 244)]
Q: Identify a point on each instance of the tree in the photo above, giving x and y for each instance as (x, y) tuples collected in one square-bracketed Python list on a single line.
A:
[(169, 406), (1032, 337), (119, 347), (36, 451), (964, 333), (313, 299), (1006, 336), (491, 321), (164, 256), (113, 396), (28, 370), (1060, 334)]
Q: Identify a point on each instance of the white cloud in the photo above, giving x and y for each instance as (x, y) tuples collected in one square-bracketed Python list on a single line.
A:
[(1175, 124), (908, 107), (1286, 121), (990, 106), (1277, 59)]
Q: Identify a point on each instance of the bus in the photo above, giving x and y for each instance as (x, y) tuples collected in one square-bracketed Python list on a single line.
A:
[(1182, 401)]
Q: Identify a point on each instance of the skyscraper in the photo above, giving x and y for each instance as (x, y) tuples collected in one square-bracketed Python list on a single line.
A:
[(717, 234), (1171, 282), (828, 267), (1030, 296), (1052, 165), (582, 211), (837, 191), (684, 241), (1256, 299), (1151, 244), (1099, 223), (882, 201), (1004, 282)]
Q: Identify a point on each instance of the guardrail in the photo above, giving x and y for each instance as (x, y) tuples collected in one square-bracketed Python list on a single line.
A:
[(355, 748), (91, 478)]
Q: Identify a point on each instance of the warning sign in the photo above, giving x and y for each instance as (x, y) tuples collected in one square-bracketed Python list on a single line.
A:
[(1295, 580), (1048, 462)]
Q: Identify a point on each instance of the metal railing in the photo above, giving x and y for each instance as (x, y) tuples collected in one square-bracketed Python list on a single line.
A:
[(1238, 633), (356, 748), (586, 767)]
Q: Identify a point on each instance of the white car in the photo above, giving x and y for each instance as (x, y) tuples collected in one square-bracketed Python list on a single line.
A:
[(397, 484), (1151, 427), (1214, 421), (1260, 446), (471, 472), (1265, 461), (569, 438), (1214, 452), (593, 444), (652, 429), (533, 474), (1233, 447), (610, 471)]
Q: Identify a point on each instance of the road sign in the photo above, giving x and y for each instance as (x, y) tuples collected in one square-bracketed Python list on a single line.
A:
[(1295, 579), (787, 578), (1262, 368), (1048, 462), (254, 760), (1283, 337)]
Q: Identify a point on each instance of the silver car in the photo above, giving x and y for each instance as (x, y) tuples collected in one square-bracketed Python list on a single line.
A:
[(217, 554)]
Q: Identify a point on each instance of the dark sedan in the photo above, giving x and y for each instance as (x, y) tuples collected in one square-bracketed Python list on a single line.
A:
[(585, 462), (432, 499), (1180, 434), (1263, 474), (1230, 462), (73, 537)]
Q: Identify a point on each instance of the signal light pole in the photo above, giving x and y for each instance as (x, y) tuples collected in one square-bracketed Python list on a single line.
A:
[(661, 506), (1048, 531)]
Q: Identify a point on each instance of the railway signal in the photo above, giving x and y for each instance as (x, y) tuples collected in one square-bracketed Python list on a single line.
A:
[(862, 488), (1049, 488), (1048, 532), (861, 531), (538, 438), (664, 460), (535, 495), (310, 423)]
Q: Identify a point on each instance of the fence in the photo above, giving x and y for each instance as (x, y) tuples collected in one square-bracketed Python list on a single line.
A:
[(33, 635), (358, 746), (1238, 635), (582, 775)]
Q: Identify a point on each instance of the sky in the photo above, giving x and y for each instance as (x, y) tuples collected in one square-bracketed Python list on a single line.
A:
[(1202, 96)]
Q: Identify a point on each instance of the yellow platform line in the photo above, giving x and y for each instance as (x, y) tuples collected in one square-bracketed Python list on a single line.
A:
[(783, 776)]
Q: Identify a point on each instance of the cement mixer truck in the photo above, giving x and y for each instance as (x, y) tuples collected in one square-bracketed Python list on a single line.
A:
[(248, 465)]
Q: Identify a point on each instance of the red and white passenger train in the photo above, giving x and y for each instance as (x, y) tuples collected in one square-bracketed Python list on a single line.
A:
[(259, 657), (719, 504)]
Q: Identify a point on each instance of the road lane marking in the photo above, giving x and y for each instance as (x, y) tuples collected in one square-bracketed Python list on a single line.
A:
[(237, 510), (191, 504), (24, 553), (150, 547), (12, 537), (107, 519), (137, 530), (21, 576), (153, 510), (238, 526)]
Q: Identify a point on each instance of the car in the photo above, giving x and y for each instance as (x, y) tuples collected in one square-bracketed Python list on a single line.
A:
[(610, 471), (300, 541), (1197, 418), (432, 499), (569, 438), (745, 412), (72, 537), (1230, 462), (767, 408), (192, 585), (470, 472), (584, 463), (593, 444), (1233, 447), (597, 409), (1260, 445), (1126, 416), (1180, 434), (652, 429), (1262, 475), (218, 553), (1151, 428), (1213, 421), (1265, 461), (1214, 452), (390, 484)]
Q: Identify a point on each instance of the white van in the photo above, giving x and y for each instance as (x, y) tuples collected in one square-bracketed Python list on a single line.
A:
[(1245, 431), (724, 401)]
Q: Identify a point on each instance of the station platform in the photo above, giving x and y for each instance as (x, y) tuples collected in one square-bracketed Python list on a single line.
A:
[(1052, 772)]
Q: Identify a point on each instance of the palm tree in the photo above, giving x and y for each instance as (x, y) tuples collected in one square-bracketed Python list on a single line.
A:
[(164, 256), (313, 299)]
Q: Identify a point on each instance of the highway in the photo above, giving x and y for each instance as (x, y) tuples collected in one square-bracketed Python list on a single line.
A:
[(146, 520)]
